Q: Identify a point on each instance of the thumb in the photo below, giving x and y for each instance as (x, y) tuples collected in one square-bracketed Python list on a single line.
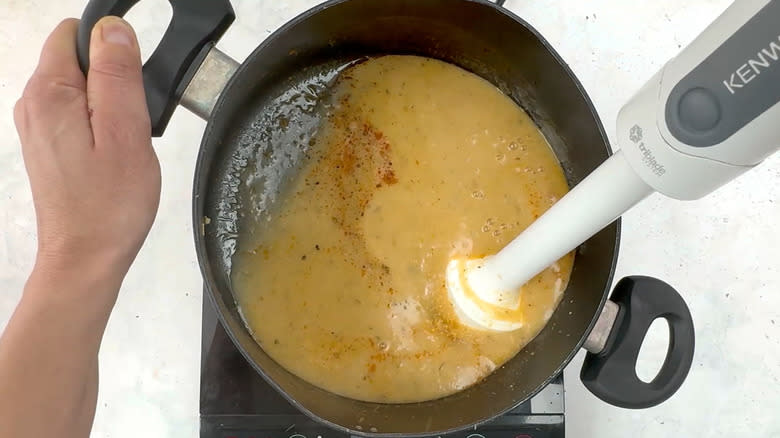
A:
[(115, 89)]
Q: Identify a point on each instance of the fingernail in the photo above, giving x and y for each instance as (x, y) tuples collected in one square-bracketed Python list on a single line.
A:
[(117, 31)]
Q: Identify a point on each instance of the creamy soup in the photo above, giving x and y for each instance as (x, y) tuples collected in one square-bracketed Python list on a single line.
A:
[(417, 161)]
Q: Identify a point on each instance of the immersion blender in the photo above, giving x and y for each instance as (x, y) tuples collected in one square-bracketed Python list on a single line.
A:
[(709, 115)]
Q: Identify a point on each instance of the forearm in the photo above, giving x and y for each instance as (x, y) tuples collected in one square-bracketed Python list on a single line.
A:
[(48, 353)]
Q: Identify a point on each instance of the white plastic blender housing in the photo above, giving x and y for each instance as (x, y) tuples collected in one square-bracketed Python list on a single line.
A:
[(710, 114)]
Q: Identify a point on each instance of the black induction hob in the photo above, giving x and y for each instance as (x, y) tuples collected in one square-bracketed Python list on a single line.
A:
[(235, 402)]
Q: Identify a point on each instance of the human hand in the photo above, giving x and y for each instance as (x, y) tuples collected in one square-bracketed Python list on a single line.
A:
[(86, 143)]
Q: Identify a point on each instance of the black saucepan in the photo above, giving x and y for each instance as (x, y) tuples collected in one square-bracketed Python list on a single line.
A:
[(241, 104)]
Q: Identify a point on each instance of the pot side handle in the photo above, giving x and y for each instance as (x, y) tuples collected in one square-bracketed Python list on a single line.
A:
[(611, 373), (195, 27)]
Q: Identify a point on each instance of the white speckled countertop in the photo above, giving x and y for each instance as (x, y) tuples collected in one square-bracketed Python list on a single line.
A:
[(722, 252)]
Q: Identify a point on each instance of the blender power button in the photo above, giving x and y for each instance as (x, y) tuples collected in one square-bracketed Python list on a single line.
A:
[(699, 110)]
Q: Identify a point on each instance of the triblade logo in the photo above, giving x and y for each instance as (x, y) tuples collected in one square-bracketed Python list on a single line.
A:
[(636, 135), (753, 67)]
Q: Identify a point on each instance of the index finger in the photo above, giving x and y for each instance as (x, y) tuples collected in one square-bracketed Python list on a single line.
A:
[(55, 98), (58, 57)]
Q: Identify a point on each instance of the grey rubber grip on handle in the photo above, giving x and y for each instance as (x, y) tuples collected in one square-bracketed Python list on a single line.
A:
[(738, 82)]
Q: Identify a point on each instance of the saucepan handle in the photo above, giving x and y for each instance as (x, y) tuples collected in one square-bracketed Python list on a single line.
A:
[(610, 374), (195, 27)]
